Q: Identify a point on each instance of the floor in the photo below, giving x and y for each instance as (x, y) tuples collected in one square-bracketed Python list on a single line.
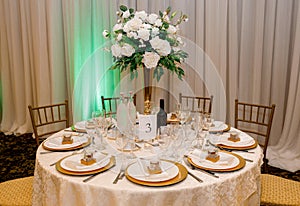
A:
[(17, 158)]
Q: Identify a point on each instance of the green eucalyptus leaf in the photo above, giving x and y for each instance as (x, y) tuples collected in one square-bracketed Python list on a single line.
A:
[(161, 14), (123, 8)]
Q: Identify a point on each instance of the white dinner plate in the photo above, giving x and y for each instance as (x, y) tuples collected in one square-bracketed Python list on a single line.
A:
[(226, 161), (56, 142), (170, 170), (245, 140), (80, 125), (218, 126), (72, 163)]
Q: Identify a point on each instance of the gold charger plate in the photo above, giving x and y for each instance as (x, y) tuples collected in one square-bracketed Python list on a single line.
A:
[(111, 163), (68, 149), (238, 148), (182, 174), (241, 164)]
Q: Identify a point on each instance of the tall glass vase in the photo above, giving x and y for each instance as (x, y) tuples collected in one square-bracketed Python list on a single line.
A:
[(147, 83)]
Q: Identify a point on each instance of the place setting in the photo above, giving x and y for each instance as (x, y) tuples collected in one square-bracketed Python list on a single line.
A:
[(155, 172), (66, 141), (233, 140), (213, 160), (87, 162)]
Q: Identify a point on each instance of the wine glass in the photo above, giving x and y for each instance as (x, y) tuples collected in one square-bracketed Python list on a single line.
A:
[(164, 139), (208, 121), (90, 128), (121, 141), (184, 114)]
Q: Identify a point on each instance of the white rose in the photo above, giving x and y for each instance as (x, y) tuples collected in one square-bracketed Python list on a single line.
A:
[(150, 59), (132, 34), (152, 18), (126, 14), (144, 34), (146, 26), (155, 31), (141, 14), (161, 46), (133, 25), (105, 33), (116, 50), (172, 29), (117, 27), (158, 22), (119, 37), (127, 50)]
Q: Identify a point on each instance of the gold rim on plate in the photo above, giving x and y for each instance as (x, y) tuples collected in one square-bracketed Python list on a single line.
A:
[(238, 148), (241, 164), (69, 148), (182, 174), (111, 163)]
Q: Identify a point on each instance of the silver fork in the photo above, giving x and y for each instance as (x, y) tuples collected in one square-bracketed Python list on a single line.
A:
[(121, 174), (73, 153)]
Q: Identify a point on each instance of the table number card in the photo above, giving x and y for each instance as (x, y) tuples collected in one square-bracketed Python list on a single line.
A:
[(147, 126)]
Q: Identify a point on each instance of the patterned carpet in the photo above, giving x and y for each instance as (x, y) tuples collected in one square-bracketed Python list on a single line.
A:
[(17, 158)]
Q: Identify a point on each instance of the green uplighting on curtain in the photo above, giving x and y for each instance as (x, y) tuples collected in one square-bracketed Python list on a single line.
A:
[(92, 79)]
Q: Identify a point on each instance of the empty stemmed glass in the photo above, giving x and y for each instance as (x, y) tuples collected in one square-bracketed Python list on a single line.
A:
[(164, 139), (183, 116), (90, 128), (208, 121)]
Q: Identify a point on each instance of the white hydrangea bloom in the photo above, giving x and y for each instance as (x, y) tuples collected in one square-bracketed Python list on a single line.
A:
[(116, 50), (161, 46), (127, 50), (150, 59)]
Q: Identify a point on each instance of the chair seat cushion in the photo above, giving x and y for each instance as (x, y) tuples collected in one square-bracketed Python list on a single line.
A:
[(279, 191), (16, 192)]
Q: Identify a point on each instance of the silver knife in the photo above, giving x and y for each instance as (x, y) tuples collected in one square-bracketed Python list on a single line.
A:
[(203, 171), (191, 174), (91, 177)]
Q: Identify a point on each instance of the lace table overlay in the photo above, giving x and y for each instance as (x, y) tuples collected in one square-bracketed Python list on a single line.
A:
[(233, 188)]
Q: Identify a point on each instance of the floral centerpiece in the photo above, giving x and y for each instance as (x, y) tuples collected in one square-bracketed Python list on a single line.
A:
[(148, 41)]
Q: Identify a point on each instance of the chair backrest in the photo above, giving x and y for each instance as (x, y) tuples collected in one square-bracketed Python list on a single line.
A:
[(197, 103), (110, 104), (255, 119), (49, 119)]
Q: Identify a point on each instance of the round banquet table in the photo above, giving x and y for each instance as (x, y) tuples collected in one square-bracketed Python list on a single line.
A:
[(51, 187)]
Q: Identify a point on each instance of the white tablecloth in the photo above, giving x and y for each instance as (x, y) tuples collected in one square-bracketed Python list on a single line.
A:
[(233, 188)]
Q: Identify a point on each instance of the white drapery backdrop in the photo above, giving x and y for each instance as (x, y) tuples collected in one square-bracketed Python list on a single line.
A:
[(253, 44)]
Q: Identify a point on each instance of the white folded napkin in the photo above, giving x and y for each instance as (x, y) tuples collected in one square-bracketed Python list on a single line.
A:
[(223, 139), (143, 166), (200, 156)]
